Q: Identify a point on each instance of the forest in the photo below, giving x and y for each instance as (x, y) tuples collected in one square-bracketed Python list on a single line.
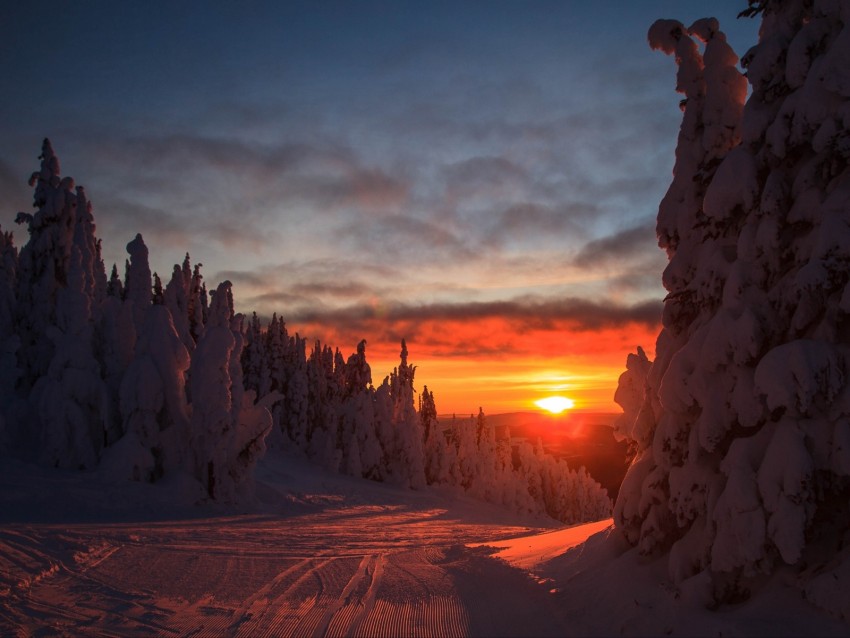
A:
[(148, 380)]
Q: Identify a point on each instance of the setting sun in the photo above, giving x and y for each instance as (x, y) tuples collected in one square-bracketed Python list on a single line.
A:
[(555, 405)]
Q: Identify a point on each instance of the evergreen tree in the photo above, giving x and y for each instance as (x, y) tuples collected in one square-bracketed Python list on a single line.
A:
[(71, 395), (115, 287), (43, 263), (742, 434), (437, 462), (409, 464), (9, 340), (358, 412)]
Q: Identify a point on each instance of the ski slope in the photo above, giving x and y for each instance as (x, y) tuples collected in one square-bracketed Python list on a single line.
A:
[(328, 562), (322, 555)]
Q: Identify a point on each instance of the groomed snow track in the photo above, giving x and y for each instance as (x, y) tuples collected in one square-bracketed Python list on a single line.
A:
[(346, 571)]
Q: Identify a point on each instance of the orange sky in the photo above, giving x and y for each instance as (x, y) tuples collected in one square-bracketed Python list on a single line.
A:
[(487, 362)]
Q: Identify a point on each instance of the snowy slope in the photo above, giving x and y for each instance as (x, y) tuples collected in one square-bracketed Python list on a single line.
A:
[(320, 554)]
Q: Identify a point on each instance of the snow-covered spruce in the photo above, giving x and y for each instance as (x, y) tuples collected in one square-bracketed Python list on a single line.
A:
[(741, 422), (228, 432), (146, 382), (94, 372)]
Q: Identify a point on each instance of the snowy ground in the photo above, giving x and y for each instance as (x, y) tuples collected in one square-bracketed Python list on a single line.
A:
[(321, 555)]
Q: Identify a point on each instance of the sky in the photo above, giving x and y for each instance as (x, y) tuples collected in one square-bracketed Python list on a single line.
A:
[(479, 178)]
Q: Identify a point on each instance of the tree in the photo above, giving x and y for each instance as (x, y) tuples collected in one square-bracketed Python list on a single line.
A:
[(43, 263), (59, 285), (408, 465), (438, 464), (71, 395), (9, 340), (213, 424), (742, 431), (365, 456)]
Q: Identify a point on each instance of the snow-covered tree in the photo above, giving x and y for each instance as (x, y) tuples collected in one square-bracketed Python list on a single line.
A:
[(253, 354), (72, 396), (9, 340), (438, 461), (145, 381), (59, 283), (228, 436), (155, 420), (198, 304), (364, 452), (176, 299), (741, 430), (464, 435), (490, 472), (631, 395), (43, 262), (408, 464)]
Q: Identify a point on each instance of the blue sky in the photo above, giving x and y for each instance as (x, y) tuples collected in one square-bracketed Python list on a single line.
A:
[(343, 162)]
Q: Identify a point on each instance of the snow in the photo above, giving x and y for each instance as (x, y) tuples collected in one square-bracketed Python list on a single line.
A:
[(794, 375), (328, 555), (529, 552), (740, 423), (732, 519)]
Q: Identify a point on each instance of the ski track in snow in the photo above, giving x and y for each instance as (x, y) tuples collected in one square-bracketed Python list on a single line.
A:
[(365, 570)]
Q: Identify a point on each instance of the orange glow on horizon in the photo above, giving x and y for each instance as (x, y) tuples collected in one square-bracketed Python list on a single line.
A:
[(497, 364)]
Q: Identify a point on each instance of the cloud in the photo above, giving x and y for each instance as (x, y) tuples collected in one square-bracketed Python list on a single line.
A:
[(167, 232), (289, 287), (623, 246), (503, 331), (249, 278), (306, 272), (325, 174), (539, 222), (523, 312), (341, 289), (216, 180), (483, 173), (273, 299), (400, 237)]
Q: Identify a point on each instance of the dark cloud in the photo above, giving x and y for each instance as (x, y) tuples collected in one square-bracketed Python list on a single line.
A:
[(637, 187), (289, 287), (401, 236), (309, 271), (483, 173), (116, 217), (645, 275), (192, 171), (190, 151), (493, 330), (265, 303), (528, 312), (597, 162), (254, 279), (336, 289), (162, 229), (621, 247), (539, 223)]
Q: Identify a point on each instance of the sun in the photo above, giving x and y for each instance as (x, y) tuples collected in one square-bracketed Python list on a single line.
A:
[(555, 405)]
